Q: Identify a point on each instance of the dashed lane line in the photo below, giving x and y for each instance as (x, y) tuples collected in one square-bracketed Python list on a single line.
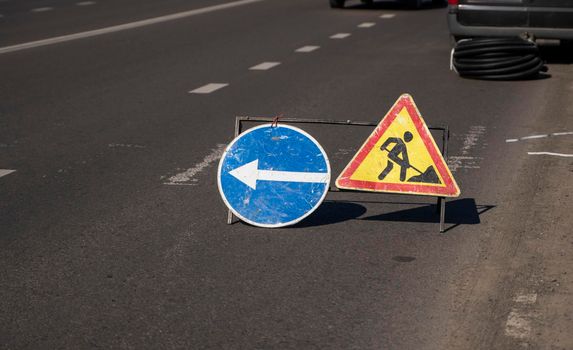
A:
[(541, 136), (4, 172), (265, 66), (307, 49), (209, 88), (42, 9), (388, 15), (126, 26), (340, 36), (366, 25), (550, 154), (534, 137), (85, 3)]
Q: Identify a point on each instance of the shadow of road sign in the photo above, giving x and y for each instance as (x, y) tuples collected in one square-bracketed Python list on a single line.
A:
[(463, 211), (332, 212)]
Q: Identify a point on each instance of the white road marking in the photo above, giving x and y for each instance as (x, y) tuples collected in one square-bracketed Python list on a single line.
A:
[(464, 160), (124, 145), (519, 320), (209, 88), (550, 154), (4, 172), (250, 173), (340, 36), (534, 137), (85, 3), (42, 9), (265, 66), (189, 175), (518, 325), (307, 48), (528, 299), (366, 25), (126, 26), (388, 15), (540, 136)]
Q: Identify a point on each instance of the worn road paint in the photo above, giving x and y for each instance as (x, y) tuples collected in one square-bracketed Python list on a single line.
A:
[(124, 145), (366, 25), (308, 48), (517, 325), (189, 175), (550, 154), (470, 141), (265, 66), (527, 299), (85, 3), (4, 172), (388, 15), (463, 162), (209, 88), (340, 36), (126, 26)]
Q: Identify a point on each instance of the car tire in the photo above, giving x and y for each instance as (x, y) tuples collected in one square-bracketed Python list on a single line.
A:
[(414, 4), (338, 4), (567, 45)]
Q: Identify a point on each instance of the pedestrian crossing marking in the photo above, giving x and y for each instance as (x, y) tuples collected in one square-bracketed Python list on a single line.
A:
[(400, 156)]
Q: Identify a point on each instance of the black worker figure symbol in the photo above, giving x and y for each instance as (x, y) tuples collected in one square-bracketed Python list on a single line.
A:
[(399, 154)]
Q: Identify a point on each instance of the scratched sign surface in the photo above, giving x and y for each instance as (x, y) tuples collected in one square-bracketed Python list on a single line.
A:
[(273, 176), (400, 156)]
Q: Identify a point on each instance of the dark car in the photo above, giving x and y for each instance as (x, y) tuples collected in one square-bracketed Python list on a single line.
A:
[(545, 19)]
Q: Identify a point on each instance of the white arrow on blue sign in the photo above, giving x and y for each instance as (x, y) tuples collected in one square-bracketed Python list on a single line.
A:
[(273, 175)]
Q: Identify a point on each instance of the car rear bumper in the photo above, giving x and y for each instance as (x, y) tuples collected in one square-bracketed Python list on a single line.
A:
[(485, 29)]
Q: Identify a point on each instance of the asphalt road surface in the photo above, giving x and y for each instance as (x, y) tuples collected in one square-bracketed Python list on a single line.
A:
[(113, 233)]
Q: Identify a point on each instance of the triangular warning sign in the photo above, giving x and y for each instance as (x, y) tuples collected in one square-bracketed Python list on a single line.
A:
[(400, 156)]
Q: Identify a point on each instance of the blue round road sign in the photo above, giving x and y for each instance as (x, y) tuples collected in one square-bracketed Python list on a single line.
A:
[(273, 176)]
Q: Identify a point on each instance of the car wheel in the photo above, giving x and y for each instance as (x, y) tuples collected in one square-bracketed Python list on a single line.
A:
[(567, 45), (414, 4), (337, 4)]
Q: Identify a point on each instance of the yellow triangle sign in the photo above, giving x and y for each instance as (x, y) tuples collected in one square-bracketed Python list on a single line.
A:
[(400, 156)]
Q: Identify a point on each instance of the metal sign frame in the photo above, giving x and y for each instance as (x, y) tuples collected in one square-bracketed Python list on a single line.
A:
[(441, 201)]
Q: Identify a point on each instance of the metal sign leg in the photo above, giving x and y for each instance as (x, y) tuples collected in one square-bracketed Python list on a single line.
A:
[(442, 206)]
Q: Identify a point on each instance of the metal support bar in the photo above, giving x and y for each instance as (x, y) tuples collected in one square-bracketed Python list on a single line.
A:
[(442, 200), (441, 205)]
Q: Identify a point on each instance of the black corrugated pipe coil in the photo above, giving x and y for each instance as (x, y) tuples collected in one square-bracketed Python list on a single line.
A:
[(497, 59)]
